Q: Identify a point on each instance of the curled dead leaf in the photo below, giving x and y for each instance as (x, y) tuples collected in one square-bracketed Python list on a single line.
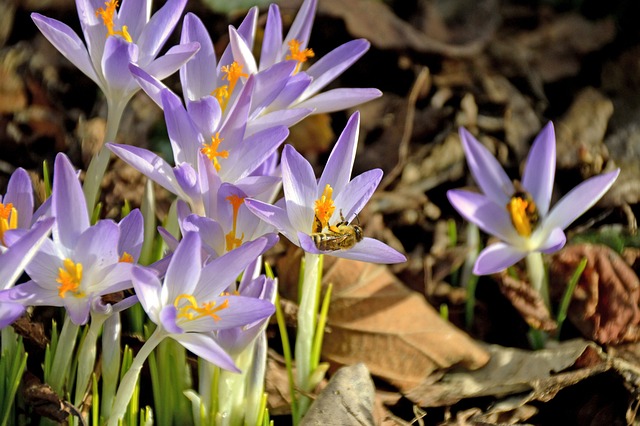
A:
[(605, 302), (375, 319), (527, 301)]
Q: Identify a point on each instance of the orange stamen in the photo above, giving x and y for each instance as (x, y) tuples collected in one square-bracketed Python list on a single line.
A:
[(193, 311), (107, 14), (126, 258), (8, 219), (69, 278), (324, 208), (298, 55), (211, 151)]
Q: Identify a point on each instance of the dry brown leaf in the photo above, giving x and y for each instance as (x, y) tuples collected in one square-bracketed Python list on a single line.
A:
[(605, 302), (513, 371), (580, 133), (375, 319), (527, 301)]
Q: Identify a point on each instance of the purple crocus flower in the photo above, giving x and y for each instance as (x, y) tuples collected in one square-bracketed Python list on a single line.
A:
[(294, 49), (192, 303), (311, 207), (116, 38), (80, 264), (519, 213), (204, 160)]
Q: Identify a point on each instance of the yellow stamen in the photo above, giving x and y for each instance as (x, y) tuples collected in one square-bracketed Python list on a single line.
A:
[(107, 14), (126, 258), (298, 55), (232, 74), (524, 214), (324, 208), (232, 241), (192, 311), (8, 219), (211, 151), (69, 278)]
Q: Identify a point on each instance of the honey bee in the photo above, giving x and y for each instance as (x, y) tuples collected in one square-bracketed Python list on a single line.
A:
[(341, 236)]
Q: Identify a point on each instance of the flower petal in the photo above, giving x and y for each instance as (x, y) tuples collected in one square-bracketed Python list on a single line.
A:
[(206, 347), (486, 170), (554, 242), (301, 26), (118, 53), (482, 211), (272, 39), (337, 171), (338, 99), (540, 169), (300, 189), (275, 216), (9, 312), (168, 317), (170, 62), (205, 113), (579, 200), (186, 140), (250, 154), (159, 27), (367, 250), (15, 259), (150, 165), (242, 53), (497, 257), (148, 288), (20, 194), (68, 43), (197, 74), (131, 234), (68, 203), (286, 118), (184, 270), (151, 85), (356, 194), (333, 64), (97, 246)]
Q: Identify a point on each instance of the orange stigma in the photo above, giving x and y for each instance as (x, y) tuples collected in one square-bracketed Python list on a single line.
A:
[(8, 220), (69, 278), (211, 151), (298, 55), (192, 311), (323, 209), (107, 14), (523, 212), (232, 241)]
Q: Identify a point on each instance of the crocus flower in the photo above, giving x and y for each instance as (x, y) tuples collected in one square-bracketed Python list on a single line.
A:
[(294, 49), (311, 207), (203, 160), (193, 302), (80, 264), (115, 38), (518, 213)]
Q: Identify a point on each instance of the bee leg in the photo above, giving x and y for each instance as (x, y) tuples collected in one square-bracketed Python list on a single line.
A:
[(342, 220), (317, 225)]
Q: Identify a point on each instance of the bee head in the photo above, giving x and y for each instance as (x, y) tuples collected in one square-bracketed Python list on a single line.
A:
[(358, 231)]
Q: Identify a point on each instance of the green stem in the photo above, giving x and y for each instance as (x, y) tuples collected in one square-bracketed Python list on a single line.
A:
[(62, 357), (87, 356), (128, 383), (307, 313), (98, 165), (110, 362), (538, 276)]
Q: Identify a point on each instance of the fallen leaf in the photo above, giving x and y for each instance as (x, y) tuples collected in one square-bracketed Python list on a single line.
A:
[(605, 302), (580, 133), (348, 399), (375, 319), (527, 301), (511, 371)]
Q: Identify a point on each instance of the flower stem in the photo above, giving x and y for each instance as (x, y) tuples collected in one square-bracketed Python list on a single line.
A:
[(87, 356), (307, 312), (538, 276), (110, 362), (98, 165), (62, 357), (128, 383)]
